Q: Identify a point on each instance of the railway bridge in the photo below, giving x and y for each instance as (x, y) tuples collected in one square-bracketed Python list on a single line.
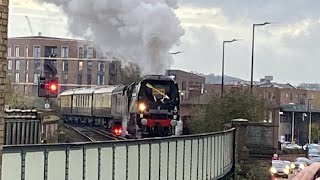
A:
[(205, 156)]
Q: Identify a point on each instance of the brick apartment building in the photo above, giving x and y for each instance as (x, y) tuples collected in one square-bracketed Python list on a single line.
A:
[(190, 85), (78, 63)]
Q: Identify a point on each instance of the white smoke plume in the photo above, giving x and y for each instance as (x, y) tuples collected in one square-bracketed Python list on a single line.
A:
[(141, 31)]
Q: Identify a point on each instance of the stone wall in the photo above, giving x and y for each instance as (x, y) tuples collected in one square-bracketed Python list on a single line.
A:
[(254, 140), (261, 139), (3, 64)]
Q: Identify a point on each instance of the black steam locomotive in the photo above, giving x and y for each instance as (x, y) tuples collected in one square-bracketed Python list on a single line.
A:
[(147, 108)]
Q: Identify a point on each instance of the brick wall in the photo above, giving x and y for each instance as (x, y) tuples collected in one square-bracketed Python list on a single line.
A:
[(3, 61), (189, 83)]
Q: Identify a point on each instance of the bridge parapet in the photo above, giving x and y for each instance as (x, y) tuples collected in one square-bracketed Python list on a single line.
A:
[(205, 156)]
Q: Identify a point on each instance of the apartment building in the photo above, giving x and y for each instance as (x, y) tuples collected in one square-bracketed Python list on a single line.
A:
[(190, 85), (78, 63)]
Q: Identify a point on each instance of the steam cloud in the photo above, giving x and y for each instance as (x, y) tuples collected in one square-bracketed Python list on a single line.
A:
[(141, 31)]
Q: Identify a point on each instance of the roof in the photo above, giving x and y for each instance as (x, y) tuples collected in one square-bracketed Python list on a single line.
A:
[(45, 37), (297, 108), (67, 92), (203, 99), (278, 85), (105, 90), (85, 91), (158, 77), (50, 118), (119, 88)]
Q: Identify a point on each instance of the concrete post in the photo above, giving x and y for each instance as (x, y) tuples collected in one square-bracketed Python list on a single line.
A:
[(241, 129), (4, 4)]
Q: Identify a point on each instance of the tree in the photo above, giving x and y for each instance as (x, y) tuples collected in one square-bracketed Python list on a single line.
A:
[(235, 104), (14, 99), (129, 73)]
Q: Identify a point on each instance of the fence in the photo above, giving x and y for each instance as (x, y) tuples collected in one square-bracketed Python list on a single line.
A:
[(207, 156), (22, 127)]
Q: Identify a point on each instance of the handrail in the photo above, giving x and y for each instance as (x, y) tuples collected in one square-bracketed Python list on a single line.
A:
[(111, 142)]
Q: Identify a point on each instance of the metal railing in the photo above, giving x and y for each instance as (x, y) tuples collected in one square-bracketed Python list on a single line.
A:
[(206, 156)]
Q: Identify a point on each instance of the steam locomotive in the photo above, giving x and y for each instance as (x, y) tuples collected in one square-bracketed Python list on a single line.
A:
[(147, 108)]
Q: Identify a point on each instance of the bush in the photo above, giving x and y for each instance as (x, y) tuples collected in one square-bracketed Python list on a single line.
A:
[(220, 111)]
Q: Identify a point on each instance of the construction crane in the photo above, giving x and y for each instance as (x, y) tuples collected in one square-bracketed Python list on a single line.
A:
[(29, 24)]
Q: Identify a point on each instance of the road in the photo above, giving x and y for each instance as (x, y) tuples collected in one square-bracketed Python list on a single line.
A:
[(291, 176)]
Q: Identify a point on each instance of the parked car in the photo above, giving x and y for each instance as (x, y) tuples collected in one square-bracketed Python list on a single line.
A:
[(313, 160), (313, 151), (300, 163)]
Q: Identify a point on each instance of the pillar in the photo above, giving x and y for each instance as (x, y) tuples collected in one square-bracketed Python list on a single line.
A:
[(241, 152), (3, 64)]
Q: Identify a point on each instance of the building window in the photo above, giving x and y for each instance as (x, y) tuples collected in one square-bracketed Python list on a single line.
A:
[(9, 75), (80, 52), (100, 79), (63, 88), (183, 85), (89, 79), (36, 78), (37, 64), (101, 66), (16, 51), (26, 52), (80, 65), (27, 77), (27, 64), (17, 77), (36, 51), (79, 80), (25, 89), (65, 65), (65, 78), (64, 52), (89, 66), (9, 64), (9, 52), (90, 53), (17, 65)]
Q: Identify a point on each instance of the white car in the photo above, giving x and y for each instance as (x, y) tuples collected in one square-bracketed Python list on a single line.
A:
[(281, 168)]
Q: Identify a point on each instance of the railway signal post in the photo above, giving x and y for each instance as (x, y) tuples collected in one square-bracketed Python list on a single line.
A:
[(48, 86)]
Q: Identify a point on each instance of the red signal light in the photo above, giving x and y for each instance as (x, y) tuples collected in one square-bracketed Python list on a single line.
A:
[(117, 131), (53, 87)]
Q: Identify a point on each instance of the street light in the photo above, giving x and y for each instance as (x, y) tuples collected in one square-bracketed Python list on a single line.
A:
[(309, 110), (175, 53), (252, 53), (222, 77)]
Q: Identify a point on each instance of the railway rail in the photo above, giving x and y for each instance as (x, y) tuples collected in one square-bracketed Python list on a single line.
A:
[(92, 134)]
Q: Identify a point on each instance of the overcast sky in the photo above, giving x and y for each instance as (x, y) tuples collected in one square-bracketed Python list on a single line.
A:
[(287, 50)]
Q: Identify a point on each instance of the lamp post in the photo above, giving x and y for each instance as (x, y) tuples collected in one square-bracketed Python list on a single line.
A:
[(173, 53), (310, 120), (222, 76), (252, 52)]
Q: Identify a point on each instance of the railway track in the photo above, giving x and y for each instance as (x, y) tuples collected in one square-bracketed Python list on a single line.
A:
[(106, 133), (91, 134)]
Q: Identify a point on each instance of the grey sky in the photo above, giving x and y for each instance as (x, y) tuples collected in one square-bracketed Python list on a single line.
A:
[(287, 50)]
